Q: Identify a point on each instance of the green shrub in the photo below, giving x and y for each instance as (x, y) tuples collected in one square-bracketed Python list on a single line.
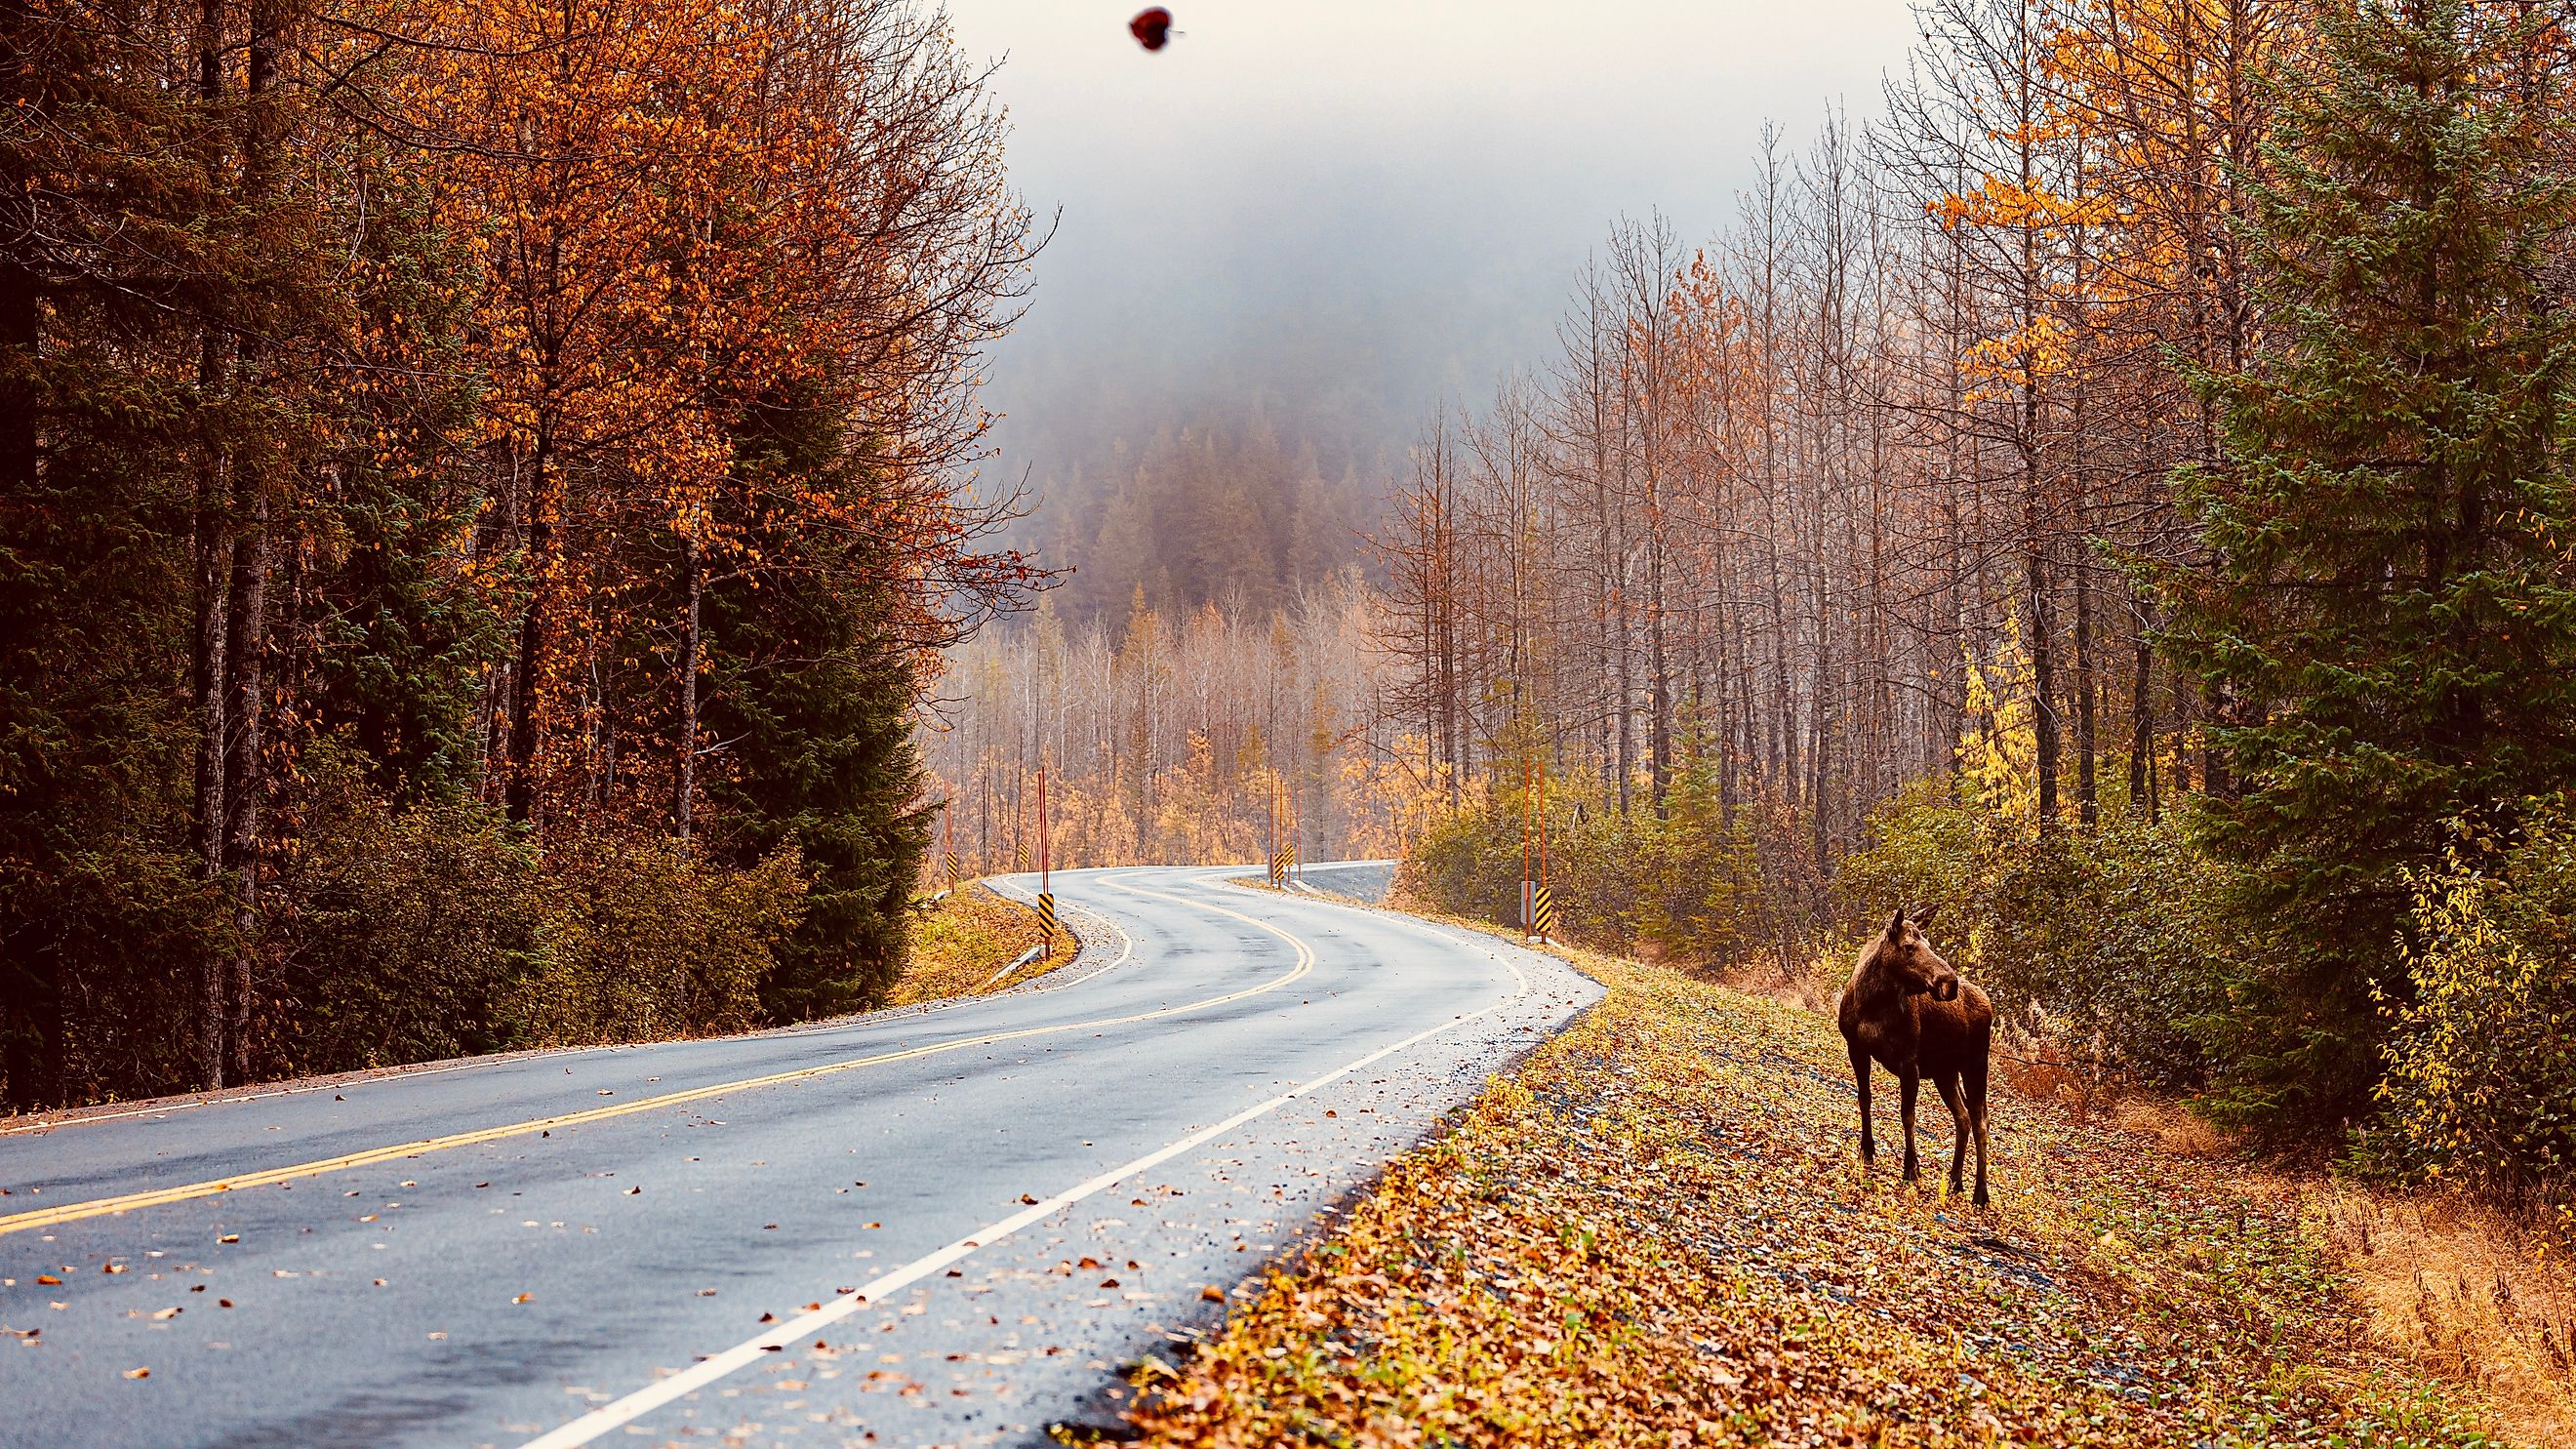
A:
[(2119, 933), (2479, 1085), (646, 939), (415, 930), (442, 931), (1686, 889)]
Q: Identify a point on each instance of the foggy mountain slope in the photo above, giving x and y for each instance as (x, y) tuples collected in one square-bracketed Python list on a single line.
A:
[(1321, 220)]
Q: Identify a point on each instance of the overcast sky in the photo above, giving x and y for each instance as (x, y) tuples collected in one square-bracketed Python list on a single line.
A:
[(1388, 198)]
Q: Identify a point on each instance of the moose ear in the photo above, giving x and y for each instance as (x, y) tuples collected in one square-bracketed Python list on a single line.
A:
[(1896, 927), (1924, 916)]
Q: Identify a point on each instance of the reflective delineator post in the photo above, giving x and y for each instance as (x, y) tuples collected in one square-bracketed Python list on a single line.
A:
[(1529, 881), (1046, 897)]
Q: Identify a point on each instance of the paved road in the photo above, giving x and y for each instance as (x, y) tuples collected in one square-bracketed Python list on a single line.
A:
[(941, 1226), (1360, 880)]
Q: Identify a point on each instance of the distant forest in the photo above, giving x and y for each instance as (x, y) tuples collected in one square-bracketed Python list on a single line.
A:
[(1244, 514)]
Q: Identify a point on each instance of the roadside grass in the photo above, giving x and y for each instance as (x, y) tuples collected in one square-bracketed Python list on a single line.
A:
[(1657, 1232), (964, 940), (2465, 1289)]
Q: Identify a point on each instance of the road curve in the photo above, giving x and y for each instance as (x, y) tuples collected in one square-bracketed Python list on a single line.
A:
[(941, 1226)]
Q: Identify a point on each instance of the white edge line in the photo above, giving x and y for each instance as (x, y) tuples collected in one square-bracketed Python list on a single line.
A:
[(716, 1366)]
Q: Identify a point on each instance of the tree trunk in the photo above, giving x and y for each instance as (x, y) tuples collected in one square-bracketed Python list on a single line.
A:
[(686, 786), (32, 1064), (527, 669), (2142, 729), (1659, 719), (2043, 656), (245, 772), (2088, 810), (214, 551)]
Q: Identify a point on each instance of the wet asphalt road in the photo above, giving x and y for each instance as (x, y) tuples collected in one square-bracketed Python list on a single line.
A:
[(955, 1240)]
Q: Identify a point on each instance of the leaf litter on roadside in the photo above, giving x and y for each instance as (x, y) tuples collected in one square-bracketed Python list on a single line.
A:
[(1657, 1232)]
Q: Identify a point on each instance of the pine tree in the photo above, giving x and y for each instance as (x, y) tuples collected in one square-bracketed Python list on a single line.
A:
[(815, 699), (2385, 588)]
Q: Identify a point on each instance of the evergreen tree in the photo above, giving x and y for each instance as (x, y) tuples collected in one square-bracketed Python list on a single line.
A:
[(814, 695), (2385, 591)]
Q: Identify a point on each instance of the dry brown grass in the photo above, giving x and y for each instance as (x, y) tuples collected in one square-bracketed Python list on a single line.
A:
[(2465, 1290), (959, 945), (2174, 1128)]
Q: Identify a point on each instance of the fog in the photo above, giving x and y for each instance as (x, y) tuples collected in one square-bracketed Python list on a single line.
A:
[(1330, 215)]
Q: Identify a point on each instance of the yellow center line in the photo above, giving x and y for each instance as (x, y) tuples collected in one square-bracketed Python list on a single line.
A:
[(268, 1177)]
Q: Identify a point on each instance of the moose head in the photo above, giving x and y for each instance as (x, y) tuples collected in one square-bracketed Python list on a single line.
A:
[(1906, 955)]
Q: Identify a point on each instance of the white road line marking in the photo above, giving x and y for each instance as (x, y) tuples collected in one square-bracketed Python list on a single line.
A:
[(742, 1355), (161, 1197)]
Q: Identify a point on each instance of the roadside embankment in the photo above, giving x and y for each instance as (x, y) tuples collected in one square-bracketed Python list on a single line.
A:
[(1657, 1231), (961, 945)]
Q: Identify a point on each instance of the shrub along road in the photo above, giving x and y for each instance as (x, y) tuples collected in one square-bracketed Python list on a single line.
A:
[(935, 1225)]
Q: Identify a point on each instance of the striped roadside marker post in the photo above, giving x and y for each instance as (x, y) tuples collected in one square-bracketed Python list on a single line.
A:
[(1046, 885), (1543, 912)]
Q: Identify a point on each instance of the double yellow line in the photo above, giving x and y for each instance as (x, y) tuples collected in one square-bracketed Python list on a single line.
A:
[(269, 1177)]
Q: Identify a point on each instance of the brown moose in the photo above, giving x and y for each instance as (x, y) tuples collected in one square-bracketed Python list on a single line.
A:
[(1908, 1009)]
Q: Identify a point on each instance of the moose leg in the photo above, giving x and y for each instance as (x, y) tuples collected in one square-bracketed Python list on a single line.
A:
[(1860, 1076), (1907, 1082), (1947, 1084), (1977, 1121)]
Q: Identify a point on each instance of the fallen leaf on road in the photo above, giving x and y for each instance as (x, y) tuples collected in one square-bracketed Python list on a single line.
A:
[(769, 1318), (111, 1267), (1024, 1197), (48, 1280), (138, 1373), (164, 1315), (634, 1192), (525, 1298), (1212, 1294), (223, 1303), (229, 1238)]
